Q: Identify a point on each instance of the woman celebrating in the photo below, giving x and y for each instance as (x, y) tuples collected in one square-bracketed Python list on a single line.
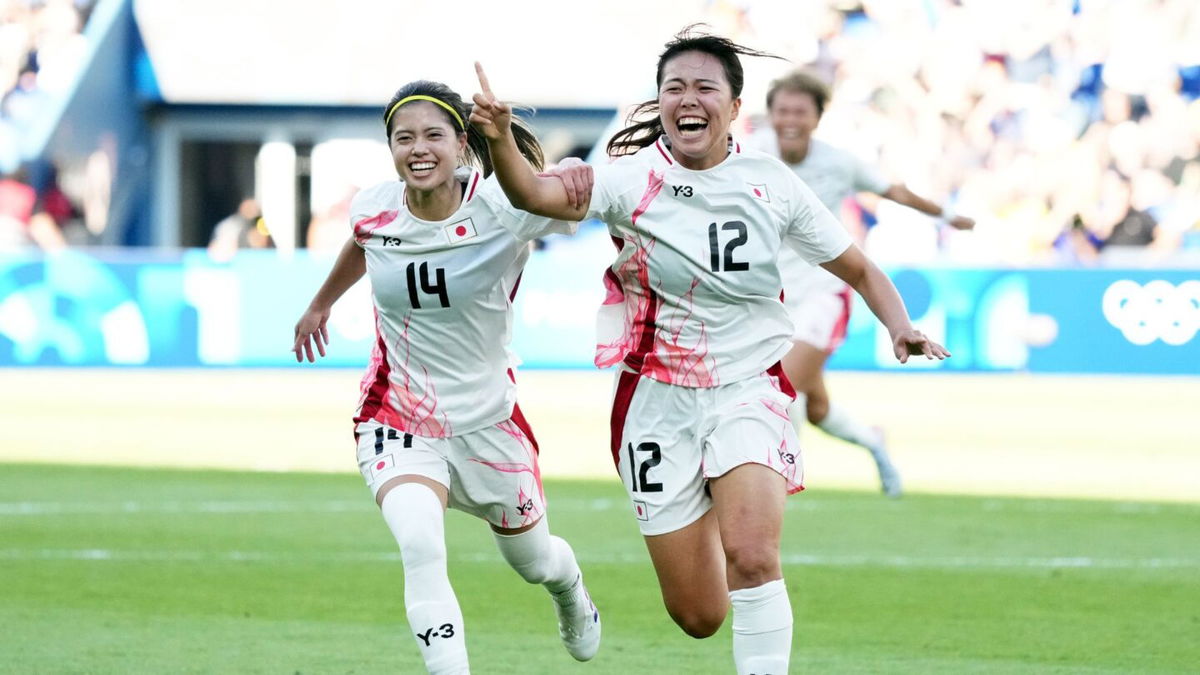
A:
[(693, 317), (437, 422)]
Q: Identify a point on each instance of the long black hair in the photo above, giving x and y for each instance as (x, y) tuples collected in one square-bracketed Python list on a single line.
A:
[(639, 134), (476, 153)]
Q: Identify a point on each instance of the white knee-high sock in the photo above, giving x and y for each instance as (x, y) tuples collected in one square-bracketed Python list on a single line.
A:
[(416, 518), (798, 411), (840, 424), (540, 558), (762, 629)]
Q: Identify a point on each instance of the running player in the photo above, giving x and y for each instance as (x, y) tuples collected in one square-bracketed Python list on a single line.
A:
[(693, 319), (437, 422), (819, 302)]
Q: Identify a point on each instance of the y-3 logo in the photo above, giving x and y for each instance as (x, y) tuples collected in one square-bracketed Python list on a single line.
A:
[(684, 190), (526, 507), (446, 630)]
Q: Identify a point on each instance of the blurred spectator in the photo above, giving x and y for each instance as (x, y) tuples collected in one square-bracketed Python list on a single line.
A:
[(1024, 113), (244, 228)]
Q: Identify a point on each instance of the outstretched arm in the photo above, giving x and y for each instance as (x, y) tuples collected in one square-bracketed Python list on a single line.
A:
[(865, 277), (542, 195), (900, 194), (351, 264)]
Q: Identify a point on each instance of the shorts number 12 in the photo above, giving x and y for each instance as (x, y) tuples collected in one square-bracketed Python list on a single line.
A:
[(637, 472)]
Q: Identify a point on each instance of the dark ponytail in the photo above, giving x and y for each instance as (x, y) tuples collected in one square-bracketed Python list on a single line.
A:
[(476, 153), (638, 135)]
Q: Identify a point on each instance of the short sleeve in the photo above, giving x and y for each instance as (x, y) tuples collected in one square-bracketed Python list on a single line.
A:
[(612, 186), (373, 206), (812, 231), (523, 225)]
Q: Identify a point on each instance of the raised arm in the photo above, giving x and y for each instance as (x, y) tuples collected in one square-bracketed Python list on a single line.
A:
[(349, 267), (865, 277), (899, 193), (542, 195)]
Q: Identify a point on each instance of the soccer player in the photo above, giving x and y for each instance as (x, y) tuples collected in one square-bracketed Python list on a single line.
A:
[(694, 322), (819, 302), (437, 423)]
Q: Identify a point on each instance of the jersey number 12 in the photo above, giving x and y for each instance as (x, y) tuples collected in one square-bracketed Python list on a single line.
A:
[(714, 248)]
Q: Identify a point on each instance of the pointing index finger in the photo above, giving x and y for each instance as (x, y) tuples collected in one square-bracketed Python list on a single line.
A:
[(483, 81)]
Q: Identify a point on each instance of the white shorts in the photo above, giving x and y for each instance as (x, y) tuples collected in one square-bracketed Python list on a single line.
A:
[(667, 441), (491, 473), (818, 304)]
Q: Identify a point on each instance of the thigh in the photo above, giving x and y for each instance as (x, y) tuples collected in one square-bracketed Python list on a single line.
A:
[(657, 453), (749, 424), (495, 475), (388, 457), (749, 503), (804, 365), (690, 565)]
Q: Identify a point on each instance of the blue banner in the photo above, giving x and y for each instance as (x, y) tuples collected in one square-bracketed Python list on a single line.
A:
[(183, 309)]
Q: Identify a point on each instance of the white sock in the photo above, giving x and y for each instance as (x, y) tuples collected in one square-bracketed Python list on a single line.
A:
[(540, 558), (798, 411), (762, 629), (416, 518), (840, 424)]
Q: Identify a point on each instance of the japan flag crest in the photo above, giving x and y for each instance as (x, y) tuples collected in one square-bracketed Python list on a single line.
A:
[(759, 191), (460, 231), (381, 464)]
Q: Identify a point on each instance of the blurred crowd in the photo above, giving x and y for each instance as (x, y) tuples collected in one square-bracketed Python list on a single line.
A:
[(1070, 129), (41, 51)]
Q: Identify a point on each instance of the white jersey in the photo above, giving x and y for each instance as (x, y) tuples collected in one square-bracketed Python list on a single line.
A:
[(694, 295), (833, 174), (443, 305)]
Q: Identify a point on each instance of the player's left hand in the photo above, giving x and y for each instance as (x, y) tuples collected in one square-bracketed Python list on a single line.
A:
[(961, 223), (913, 342), (491, 117), (577, 178)]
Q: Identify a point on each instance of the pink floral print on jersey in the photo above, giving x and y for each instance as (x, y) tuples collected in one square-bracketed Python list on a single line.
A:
[(365, 227), (405, 405), (674, 361)]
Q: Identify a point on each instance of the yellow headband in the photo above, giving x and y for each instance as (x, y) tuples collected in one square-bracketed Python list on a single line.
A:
[(421, 97)]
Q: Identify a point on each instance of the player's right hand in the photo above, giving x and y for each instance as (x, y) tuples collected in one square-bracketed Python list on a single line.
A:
[(309, 329), (492, 118)]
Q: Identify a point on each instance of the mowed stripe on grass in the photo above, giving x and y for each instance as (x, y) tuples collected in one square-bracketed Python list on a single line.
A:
[(193, 571)]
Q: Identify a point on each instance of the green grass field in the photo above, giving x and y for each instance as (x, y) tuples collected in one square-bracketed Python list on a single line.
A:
[(112, 570)]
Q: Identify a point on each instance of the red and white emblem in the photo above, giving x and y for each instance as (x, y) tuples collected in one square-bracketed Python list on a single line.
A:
[(382, 463), (460, 231), (759, 192)]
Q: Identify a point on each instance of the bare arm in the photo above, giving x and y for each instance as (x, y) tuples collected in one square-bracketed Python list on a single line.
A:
[(865, 277), (542, 195), (900, 194), (350, 266)]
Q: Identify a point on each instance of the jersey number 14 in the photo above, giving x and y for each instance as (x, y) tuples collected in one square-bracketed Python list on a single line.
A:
[(437, 288)]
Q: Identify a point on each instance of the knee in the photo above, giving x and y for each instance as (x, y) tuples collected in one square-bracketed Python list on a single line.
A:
[(535, 572), (752, 564), (699, 623)]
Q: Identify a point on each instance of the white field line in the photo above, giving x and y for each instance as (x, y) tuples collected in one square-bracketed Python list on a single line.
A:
[(930, 562), (48, 508)]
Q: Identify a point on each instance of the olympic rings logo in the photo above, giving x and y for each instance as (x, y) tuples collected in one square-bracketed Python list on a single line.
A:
[(1156, 311)]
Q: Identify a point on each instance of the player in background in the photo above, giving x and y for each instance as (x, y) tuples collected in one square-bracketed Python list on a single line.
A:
[(694, 322), (437, 423), (818, 302)]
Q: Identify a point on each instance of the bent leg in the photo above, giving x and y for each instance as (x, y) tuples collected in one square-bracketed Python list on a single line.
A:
[(804, 366), (691, 573), (749, 502), (541, 558)]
